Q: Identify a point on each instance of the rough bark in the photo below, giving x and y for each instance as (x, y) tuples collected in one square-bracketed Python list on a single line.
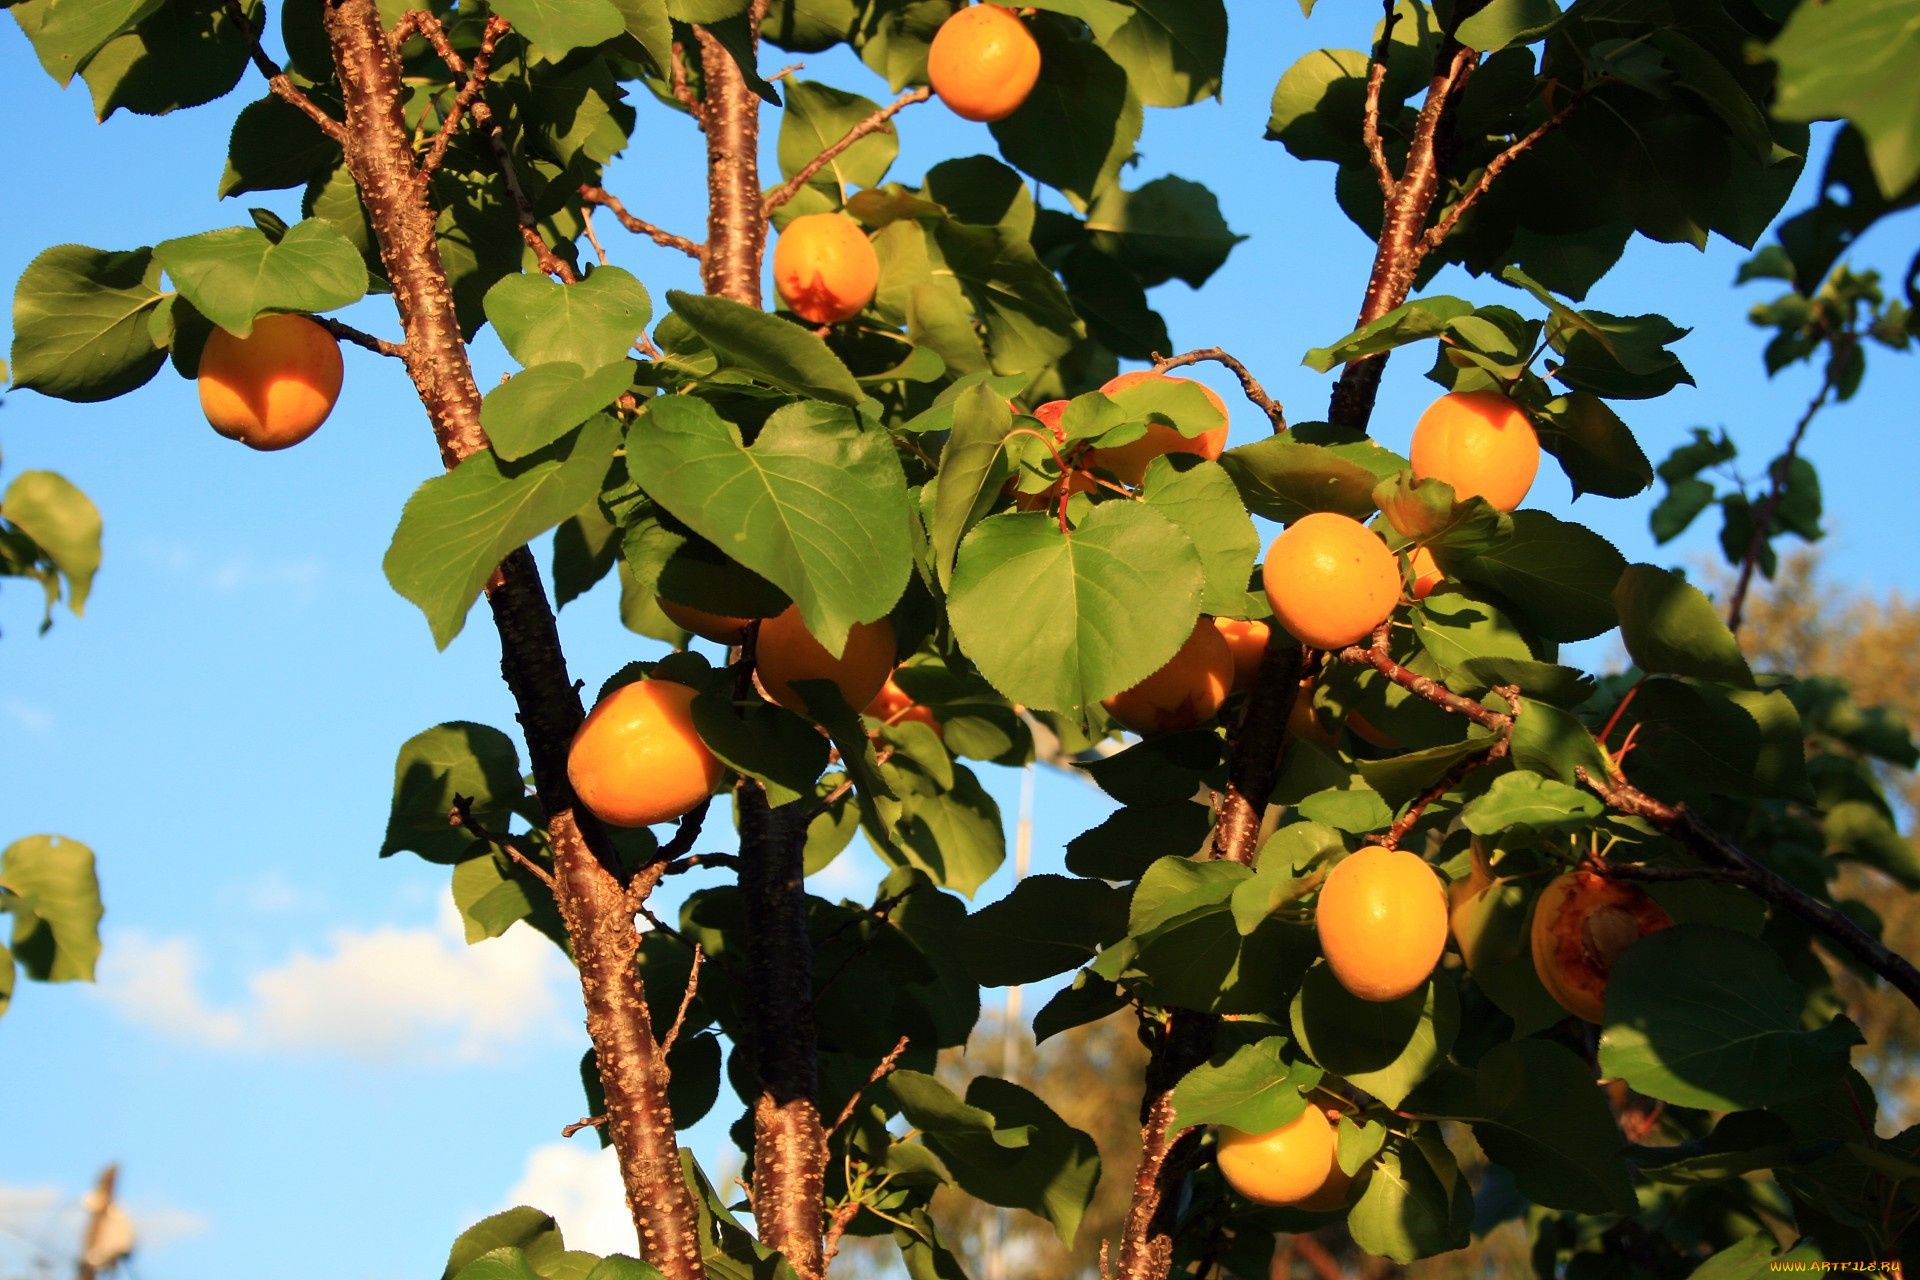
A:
[(1167, 1155), (736, 228), (592, 901)]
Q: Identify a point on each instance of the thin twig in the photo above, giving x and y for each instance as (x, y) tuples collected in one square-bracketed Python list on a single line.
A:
[(680, 865), (686, 1002), (682, 92), (879, 1073), (1439, 231), (277, 79), (1376, 78), (1248, 383), (470, 91), (686, 833), (586, 223), (837, 1227), (1721, 854), (549, 262), (872, 124), (461, 815), (588, 1122), (1763, 514), (1426, 687), (1453, 778), (593, 195), (347, 333), (408, 26)]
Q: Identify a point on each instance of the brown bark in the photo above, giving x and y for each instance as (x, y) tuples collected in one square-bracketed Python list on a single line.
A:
[(736, 228), (1167, 1155), (592, 901), (1256, 751)]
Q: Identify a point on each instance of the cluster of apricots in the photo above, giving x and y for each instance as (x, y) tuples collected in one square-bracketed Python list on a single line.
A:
[(273, 388)]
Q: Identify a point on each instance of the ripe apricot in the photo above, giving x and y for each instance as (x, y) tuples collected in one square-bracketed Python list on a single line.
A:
[(894, 705), (1382, 921), (1185, 692), (1129, 461), (825, 267), (717, 627), (273, 388), (1330, 580), (1581, 925), (1303, 724), (983, 63), (636, 759), (1426, 572), (1479, 442), (1291, 1165), (786, 651), (1247, 640)]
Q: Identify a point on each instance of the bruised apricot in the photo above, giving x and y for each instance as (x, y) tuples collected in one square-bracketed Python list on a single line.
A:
[(786, 651), (636, 759), (717, 627), (1129, 461), (1330, 580), (1581, 925), (825, 267), (273, 388), (1479, 442), (1247, 640), (983, 63), (1185, 692), (1382, 921), (1425, 571), (1291, 1165)]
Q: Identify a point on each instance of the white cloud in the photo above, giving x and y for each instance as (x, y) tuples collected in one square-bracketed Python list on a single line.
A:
[(578, 1183), (387, 995), (302, 578), (31, 718), (41, 1227)]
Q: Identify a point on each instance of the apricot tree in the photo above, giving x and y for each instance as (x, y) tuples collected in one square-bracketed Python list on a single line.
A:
[(872, 469)]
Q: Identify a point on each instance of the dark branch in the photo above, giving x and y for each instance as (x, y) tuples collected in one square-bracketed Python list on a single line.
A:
[(470, 91), (347, 333), (1248, 383), (1437, 234), (589, 1122), (1453, 778), (1426, 687), (872, 124), (640, 226), (277, 79)]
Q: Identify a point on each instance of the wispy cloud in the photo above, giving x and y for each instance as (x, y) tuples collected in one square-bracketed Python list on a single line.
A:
[(390, 995), (302, 578), (31, 718)]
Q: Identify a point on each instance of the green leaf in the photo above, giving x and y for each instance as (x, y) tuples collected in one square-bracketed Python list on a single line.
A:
[(1412, 321), (231, 276), (56, 914), (1285, 476), (1385, 1047), (1456, 628), (817, 116), (1427, 512), (275, 145), (972, 467), (1080, 123), (1134, 837), (457, 528), (526, 1230), (589, 323), (1088, 999), (1168, 229), (1595, 449), (1704, 736), (619, 1266), (1702, 1016), (1318, 104), (1175, 885), (1747, 1259), (1120, 597), (499, 1264), (557, 26), (64, 523), (1416, 1204), (1670, 627), (9, 977), (1047, 925), (773, 350), (1255, 1088), (1856, 61), (1508, 22), (454, 759), (66, 35), (539, 404), (955, 836), (1557, 576), (1536, 1111), (817, 506), (1173, 50), (1858, 830), (1052, 1175), (1531, 801), (1202, 501), (1552, 742), (80, 328), (783, 750), (185, 54), (1106, 17), (1110, 300), (1029, 320), (1684, 500)]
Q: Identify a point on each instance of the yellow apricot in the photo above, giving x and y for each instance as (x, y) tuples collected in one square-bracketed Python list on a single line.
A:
[(1382, 920), (1129, 461), (786, 651), (983, 63), (825, 267), (1287, 1166), (1330, 580), (636, 759), (1581, 925), (1479, 442), (1185, 692), (273, 388)]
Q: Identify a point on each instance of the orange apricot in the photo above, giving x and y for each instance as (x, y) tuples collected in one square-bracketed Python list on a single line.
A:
[(825, 267), (717, 627), (894, 705), (1330, 580), (1382, 921), (273, 388), (1479, 442), (1129, 461), (786, 651), (1303, 724), (1247, 639), (1291, 1165), (983, 63), (1581, 925), (1426, 572), (1185, 692), (636, 759)]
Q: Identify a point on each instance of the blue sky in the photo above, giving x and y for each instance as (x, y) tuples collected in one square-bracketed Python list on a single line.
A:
[(302, 1069)]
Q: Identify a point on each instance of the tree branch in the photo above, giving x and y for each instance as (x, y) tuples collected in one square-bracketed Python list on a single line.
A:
[(470, 90), (872, 124), (462, 816), (277, 80), (1426, 687), (879, 1073), (1255, 751), (1734, 866), (639, 226), (593, 904), (1167, 1155), (1370, 125), (686, 1002), (1453, 778), (736, 226), (347, 333), (1436, 235), (1248, 383)]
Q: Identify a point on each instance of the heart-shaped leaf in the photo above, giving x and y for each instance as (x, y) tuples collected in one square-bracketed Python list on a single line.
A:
[(233, 275)]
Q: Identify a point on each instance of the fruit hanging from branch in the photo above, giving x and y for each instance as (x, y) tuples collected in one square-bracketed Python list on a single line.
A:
[(1330, 580), (786, 651), (1292, 1166), (825, 267), (1382, 920), (273, 388), (1581, 925), (637, 759), (1479, 442), (1184, 693), (1129, 461), (983, 63)]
